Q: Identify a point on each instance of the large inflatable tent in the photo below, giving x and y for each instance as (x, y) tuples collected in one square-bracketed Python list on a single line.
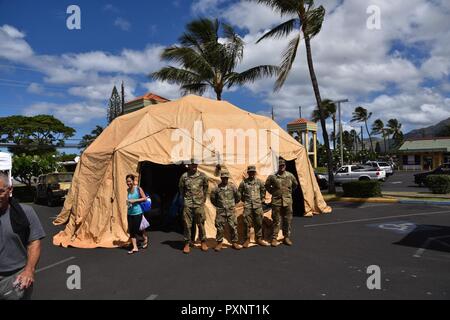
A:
[(153, 142)]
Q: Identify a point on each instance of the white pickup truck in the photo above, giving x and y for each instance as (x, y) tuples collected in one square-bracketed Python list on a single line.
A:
[(358, 173)]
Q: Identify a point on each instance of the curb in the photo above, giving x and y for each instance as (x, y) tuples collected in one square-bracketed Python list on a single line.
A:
[(429, 202), (364, 200)]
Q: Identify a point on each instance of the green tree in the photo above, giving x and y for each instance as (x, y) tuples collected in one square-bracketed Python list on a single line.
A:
[(207, 61), (329, 107), (362, 115), (355, 139), (379, 129), (114, 105), (89, 138), (395, 129), (26, 167), (39, 134), (307, 22)]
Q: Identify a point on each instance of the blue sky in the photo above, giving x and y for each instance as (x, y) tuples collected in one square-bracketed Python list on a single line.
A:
[(401, 70)]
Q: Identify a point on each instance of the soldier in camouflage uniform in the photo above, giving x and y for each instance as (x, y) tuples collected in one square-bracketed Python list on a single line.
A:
[(253, 193), (193, 187), (280, 186), (224, 197)]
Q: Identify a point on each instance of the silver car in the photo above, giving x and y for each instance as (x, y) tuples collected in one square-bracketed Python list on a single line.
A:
[(382, 166)]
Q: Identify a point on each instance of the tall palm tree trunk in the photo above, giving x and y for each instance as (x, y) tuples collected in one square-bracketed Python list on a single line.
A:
[(315, 84), (334, 133), (384, 138)]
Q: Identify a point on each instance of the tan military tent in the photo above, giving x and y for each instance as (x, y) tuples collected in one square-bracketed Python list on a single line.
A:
[(95, 209)]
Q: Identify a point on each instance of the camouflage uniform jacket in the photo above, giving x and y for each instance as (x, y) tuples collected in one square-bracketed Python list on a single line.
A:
[(280, 187), (253, 193), (225, 197), (194, 189)]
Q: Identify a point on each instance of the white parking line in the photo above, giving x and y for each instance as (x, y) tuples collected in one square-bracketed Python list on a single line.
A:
[(372, 219), (54, 264), (152, 297)]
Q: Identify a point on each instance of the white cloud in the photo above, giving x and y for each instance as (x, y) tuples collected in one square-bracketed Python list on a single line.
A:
[(354, 62), (12, 44), (206, 7), (163, 89), (122, 24), (35, 88), (72, 113)]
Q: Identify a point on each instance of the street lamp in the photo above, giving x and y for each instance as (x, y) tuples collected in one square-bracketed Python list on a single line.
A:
[(338, 102)]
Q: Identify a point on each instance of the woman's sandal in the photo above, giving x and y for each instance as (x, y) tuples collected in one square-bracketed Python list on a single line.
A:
[(132, 251), (145, 245)]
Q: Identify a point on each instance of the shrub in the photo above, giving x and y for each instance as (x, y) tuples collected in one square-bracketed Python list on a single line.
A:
[(362, 189), (439, 183), (24, 193)]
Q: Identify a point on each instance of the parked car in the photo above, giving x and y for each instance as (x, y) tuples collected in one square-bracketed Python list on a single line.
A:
[(420, 178), (52, 188), (383, 166), (350, 173), (322, 180)]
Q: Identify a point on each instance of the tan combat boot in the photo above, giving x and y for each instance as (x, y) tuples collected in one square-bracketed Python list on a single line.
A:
[(204, 246), (186, 248), (274, 243), (218, 247), (237, 246), (287, 241), (246, 244), (263, 243)]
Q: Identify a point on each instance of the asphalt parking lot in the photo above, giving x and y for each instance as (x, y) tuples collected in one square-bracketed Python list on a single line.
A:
[(329, 260)]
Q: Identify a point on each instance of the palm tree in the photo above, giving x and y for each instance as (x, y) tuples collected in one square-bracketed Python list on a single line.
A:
[(355, 139), (307, 22), (377, 129), (362, 115), (394, 128), (329, 107), (205, 62)]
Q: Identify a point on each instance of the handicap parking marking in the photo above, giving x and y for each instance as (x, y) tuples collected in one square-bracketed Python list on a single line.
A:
[(402, 227)]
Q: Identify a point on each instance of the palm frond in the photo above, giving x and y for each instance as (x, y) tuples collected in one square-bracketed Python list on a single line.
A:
[(314, 22), (288, 59), (196, 88), (188, 58), (252, 74), (281, 30), (284, 7), (175, 75)]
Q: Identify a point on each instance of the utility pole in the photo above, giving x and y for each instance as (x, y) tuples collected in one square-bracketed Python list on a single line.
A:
[(273, 115), (300, 111), (123, 99), (338, 102)]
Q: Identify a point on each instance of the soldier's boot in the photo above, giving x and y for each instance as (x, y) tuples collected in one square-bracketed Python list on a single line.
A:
[(204, 246), (186, 248), (263, 243), (246, 244), (274, 243), (218, 247), (287, 241), (237, 246)]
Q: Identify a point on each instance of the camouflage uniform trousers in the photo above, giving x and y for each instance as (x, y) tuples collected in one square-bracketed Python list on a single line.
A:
[(197, 216), (253, 217), (223, 217), (282, 214)]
